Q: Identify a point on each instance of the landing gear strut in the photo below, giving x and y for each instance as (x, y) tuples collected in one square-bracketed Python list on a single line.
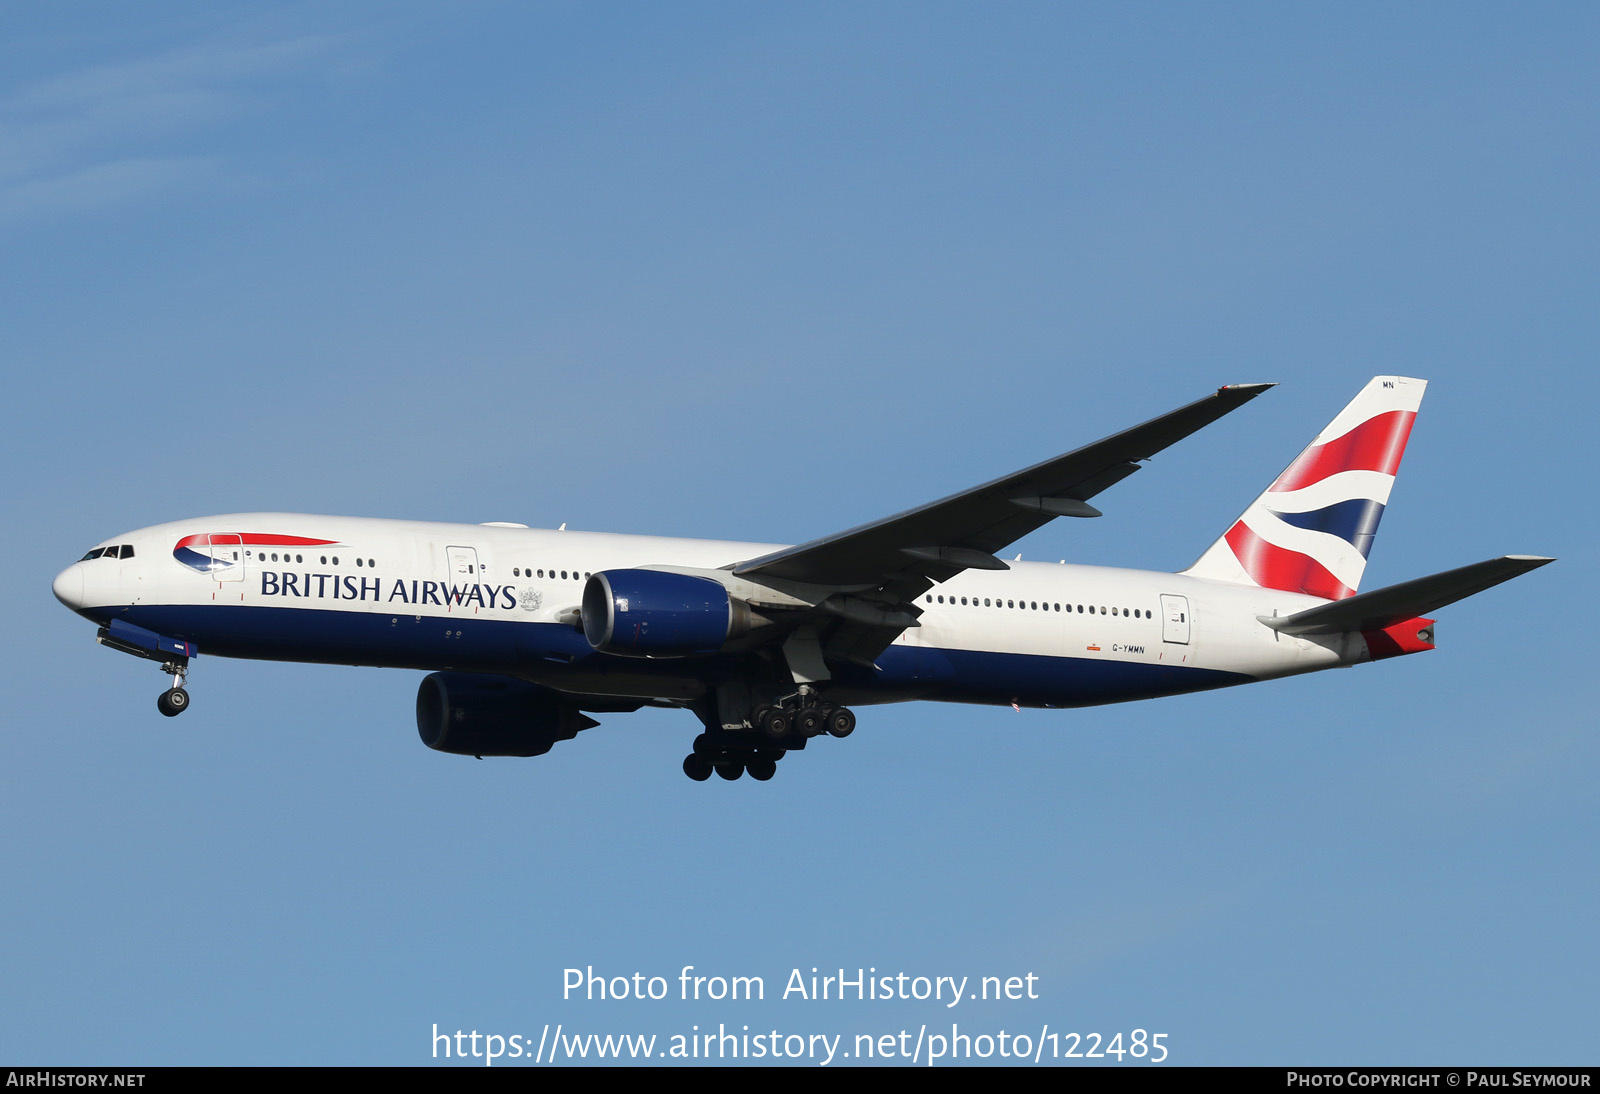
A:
[(175, 700)]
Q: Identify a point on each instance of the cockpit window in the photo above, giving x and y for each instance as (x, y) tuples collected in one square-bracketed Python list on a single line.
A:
[(122, 550)]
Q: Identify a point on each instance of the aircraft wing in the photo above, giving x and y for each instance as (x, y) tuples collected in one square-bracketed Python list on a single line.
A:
[(934, 542)]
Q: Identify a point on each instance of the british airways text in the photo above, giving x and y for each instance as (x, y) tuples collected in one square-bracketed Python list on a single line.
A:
[(351, 587)]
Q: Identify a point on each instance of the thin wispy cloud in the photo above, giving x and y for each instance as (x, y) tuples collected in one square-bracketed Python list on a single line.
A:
[(101, 185), (111, 133)]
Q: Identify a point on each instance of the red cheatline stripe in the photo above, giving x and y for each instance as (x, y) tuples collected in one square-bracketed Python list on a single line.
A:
[(1374, 445), (1278, 568), (264, 539)]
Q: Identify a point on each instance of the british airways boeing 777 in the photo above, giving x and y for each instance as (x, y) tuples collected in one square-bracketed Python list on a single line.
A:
[(528, 632)]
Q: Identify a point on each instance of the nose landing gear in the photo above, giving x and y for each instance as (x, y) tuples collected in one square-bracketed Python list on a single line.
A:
[(173, 653), (175, 700)]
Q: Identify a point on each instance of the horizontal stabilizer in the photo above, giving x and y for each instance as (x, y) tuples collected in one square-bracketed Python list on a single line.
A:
[(1382, 608)]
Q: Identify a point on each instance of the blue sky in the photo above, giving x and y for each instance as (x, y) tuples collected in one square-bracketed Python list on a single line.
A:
[(764, 272)]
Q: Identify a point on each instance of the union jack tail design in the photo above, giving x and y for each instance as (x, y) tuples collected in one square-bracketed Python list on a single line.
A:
[(1311, 531)]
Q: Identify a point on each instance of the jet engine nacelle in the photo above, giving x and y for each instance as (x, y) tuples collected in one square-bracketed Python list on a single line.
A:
[(653, 613), (473, 715)]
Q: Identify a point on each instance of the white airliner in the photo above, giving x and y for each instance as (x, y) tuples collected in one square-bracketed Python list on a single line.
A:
[(530, 631)]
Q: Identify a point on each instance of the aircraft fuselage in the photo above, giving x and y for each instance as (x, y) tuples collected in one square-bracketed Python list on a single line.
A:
[(503, 600)]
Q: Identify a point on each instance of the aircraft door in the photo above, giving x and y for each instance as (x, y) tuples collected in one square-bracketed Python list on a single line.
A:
[(1175, 619), (227, 556), (463, 565)]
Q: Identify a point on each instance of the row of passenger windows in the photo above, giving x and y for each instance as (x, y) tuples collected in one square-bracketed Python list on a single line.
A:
[(564, 575), (262, 556), (124, 550), (1040, 605)]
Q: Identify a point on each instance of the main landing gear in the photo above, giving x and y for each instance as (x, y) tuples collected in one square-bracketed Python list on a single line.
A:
[(777, 728), (804, 716), (730, 758), (175, 700)]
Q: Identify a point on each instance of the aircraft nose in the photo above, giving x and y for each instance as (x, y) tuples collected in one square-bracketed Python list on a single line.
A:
[(68, 586)]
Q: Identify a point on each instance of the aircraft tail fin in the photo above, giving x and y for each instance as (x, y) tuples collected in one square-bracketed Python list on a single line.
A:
[(1311, 530)]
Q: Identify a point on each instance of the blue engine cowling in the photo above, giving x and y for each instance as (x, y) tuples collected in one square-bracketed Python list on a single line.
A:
[(475, 715), (648, 613)]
